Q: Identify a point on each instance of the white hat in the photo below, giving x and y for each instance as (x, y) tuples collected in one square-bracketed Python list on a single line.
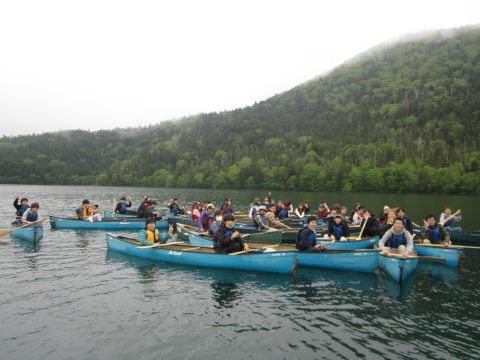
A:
[(262, 207), (386, 207)]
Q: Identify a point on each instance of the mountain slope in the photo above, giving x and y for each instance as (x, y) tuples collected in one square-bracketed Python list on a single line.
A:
[(402, 118)]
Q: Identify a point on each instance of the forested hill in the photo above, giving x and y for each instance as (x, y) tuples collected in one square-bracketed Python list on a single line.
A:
[(403, 118)]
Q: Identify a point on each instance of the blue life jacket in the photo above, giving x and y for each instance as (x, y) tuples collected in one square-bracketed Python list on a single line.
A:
[(283, 214), (305, 244), (338, 231), (435, 235), (22, 210), (396, 240), (175, 209), (228, 234), (122, 208), (32, 217)]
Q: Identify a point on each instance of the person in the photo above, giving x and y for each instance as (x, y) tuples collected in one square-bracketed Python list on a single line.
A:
[(384, 216), (206, 217), (434, 233), (355, 209), (447, 219), (196, 210), (344, 213), (175, 207), (227, 207), (407, 223), (88, 212), (149, 235), (122, 205), (300, 211), (358, 216), (288, 207), (307, 238), (150, 212), (259, 219), (31, 215), (227, 239), (370, 224), (397, 238), (323, 210), (387, 225), (253, 207), (215, 224), (270, 219), (282, 212), (21, 208), (338, 229), (142, 207), (306, 206)]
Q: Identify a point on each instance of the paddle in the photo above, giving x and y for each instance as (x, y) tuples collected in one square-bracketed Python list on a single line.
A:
[(416, 225), (361, 231), (244, 252), (423, 258), (114, 206), (460, 247), (449, 217), (7, 232), (160, 245)]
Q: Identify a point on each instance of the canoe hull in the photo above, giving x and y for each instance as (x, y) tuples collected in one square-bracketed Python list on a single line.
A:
[(276, 262), (352, 244), (30, 234), (106, 224), (399, 269), (363, 261), (452, 256)]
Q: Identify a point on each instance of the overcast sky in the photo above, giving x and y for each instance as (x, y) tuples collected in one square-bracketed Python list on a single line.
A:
[(109, 63)]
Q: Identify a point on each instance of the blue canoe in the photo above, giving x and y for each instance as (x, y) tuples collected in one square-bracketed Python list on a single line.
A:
[(399, 268), (276, 262), (452, 256), (128, 214), (350, 244), (105, 224), (187, 220), (28, 233), (356, 260)]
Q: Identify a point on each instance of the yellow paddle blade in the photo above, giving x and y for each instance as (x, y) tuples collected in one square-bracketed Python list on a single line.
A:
[(4, 233)]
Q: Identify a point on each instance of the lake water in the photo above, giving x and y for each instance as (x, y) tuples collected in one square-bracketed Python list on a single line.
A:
[(69, 298)]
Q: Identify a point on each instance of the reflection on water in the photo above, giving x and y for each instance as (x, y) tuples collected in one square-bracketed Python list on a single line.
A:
[(225, 293)]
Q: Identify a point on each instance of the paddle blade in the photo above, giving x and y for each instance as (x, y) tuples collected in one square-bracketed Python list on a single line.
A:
[(4, 233)]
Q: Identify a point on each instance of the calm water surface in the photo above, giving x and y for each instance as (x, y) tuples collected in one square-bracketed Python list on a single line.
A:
[(69, 298)]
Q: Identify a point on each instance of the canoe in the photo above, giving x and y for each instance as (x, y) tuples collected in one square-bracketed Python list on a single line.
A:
[(399, 268), (356, 260), (105, 224), (459, 238), (128, 214), (187, 220), (452, 256), (270, 236), (290, 235), (276, 262), (31, 234), (350, 244)]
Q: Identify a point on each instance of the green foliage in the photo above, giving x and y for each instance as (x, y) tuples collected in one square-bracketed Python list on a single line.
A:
[(400, 119)]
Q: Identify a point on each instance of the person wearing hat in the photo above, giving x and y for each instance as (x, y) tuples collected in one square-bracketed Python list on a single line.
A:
[(384, 216), (259, 218), (338, 229), (227, 239), (206, 218), (307, 237), (149, 235)]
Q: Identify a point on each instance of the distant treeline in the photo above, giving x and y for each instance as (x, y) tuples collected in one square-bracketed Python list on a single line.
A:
[(400, 119)]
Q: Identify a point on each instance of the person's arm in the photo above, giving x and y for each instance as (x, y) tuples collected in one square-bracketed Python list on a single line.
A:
[(24, 218), (409, 238), (142, 237), (346, 230), (16, 204), (383, 240), (129, 203)]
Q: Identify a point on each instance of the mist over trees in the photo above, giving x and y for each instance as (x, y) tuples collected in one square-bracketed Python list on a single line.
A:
[(403, 118)]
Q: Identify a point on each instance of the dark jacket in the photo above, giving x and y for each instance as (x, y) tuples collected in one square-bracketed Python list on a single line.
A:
[(306, 239), (345, 231), (222, 238)]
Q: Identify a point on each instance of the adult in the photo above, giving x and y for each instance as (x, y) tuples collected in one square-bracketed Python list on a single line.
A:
[(397, 239), (122, 205), (447, 219), (149, 235), (434, 233), (259, 219), (31, 215), (307, 237), (20, 208), (338, 229), (227, 239), (88, 212), (407, 223)]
